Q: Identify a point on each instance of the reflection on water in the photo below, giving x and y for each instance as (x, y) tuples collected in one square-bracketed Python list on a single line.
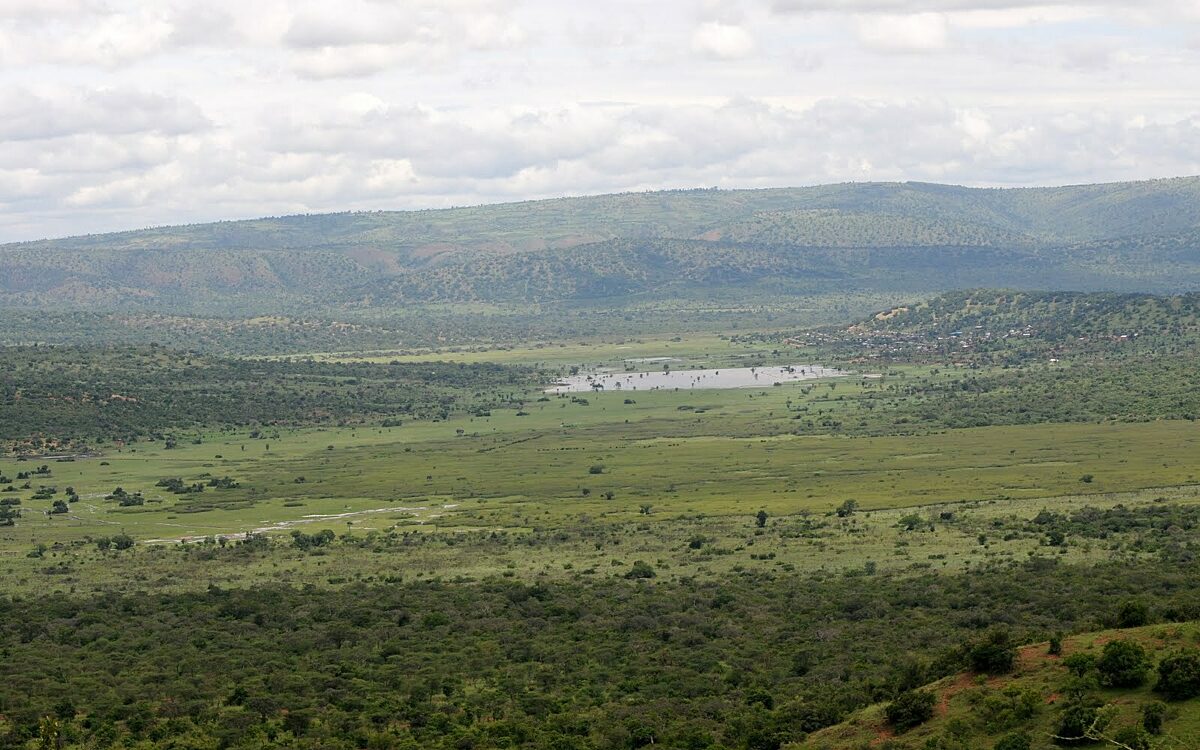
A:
[(732, 377)]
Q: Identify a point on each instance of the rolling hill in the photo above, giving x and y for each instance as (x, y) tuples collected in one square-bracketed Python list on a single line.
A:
[(886, 241)]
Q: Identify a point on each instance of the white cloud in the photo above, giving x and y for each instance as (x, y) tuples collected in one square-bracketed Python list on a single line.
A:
[(30, 116), (722, 41), (919, 32), (355, 39), (924, 6), (123, 113)]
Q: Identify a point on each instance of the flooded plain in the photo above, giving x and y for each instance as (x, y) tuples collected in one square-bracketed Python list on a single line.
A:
[(667, 379)]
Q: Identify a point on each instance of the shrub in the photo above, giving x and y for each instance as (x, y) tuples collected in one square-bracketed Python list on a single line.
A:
[(1122, 664), (1015, 741), (1080, 664), (1179, 676), (1153, 715), (910, 709), (1133, 738), (1078, 720), (1006, 709)]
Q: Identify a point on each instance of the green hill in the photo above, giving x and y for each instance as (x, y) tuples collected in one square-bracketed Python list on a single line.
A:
[(871, 237), (1031, 704), (1056, 315)]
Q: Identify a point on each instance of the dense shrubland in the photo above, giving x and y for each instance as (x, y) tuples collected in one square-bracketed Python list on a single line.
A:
[(91, 394), (749, 663)]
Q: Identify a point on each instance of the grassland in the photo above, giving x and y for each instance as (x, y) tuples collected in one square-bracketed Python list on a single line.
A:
[(605, 351), (529, 489), (444, 555), (706, 452)]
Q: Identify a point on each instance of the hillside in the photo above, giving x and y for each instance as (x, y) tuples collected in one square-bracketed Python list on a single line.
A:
[(878, 237), (1056, 315), (1028, 707)]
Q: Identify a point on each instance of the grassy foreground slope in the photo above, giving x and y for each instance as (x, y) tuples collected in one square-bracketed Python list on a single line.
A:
[(1028, 707)]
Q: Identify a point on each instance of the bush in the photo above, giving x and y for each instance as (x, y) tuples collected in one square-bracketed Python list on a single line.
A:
[(1153, 715), (1077, 720), (995, 654), (1015, 741), (1122, 664), (1133, 738), (1179, 676), (1080, 664), (910, 709), (1000, 710)]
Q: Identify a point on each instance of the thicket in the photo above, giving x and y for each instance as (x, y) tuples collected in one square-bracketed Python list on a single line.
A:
[(750, 663)]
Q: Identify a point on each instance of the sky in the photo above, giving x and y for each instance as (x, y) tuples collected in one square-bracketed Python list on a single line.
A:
[(119, 115)]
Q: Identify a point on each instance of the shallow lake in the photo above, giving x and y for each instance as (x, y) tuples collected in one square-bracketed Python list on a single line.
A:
[(725, 377)]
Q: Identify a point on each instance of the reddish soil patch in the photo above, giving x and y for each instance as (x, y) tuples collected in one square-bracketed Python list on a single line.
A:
[(962, 682), (883, 733), (1033, 657)]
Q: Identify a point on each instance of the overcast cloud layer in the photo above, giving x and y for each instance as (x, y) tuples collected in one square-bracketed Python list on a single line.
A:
[(125, 114)]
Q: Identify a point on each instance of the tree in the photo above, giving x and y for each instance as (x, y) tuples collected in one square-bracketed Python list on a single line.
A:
[(1133, 613), (640, 569), (49, 731), (995, 654), (847, 509), (1122, 664), (1179, 676), (910, 709), (760, 520), (1079, 723)]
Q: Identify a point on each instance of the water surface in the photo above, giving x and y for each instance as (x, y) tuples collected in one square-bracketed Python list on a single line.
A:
[(725, 377)]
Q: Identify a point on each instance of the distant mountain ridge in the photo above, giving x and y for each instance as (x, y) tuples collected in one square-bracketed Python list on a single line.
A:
[(911, 237)]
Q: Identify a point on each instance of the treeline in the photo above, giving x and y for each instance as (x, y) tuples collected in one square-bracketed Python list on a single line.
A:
[(751, 663), (1124, 390), (73, 394)]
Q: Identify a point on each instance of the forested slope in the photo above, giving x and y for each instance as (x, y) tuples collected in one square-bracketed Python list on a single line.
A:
[(889, 237)]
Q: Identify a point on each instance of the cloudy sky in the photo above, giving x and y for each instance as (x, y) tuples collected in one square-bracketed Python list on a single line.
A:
[(119, 114)]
